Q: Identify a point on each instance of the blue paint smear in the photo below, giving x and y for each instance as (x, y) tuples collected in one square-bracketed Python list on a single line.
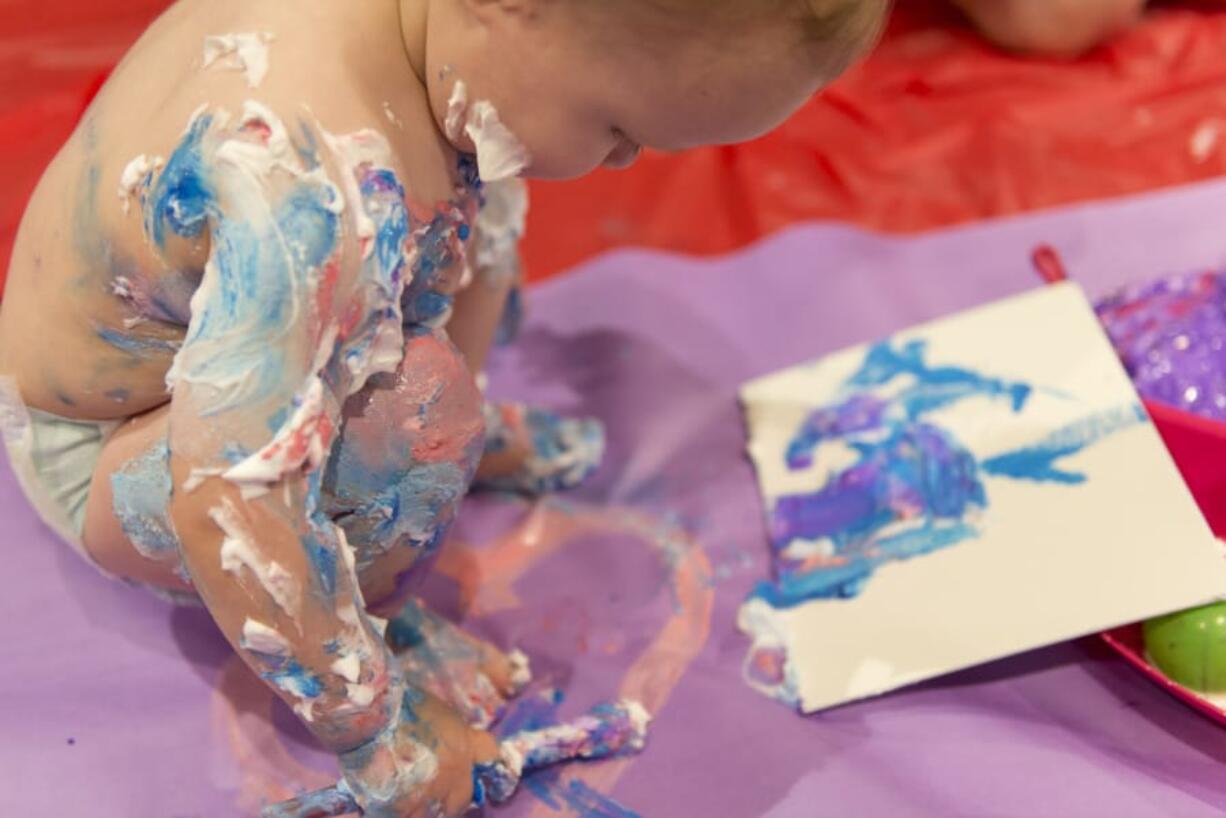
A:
[(183, 195), (431, 306), (532, 713), (323, 559), (546, 784), (263, 281), (390, 505), (934, 387), (914, 487), (409, 703), (137, 346), (296, 679), (436, 251), (588, 803), (383, 199), (404, 630), (1038, 463), (512, 320), (264, 266), (320, 541), (848, 581), (141, 493), (470, 175)]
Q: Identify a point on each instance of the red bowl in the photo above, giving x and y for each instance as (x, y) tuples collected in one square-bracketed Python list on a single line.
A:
[(1199, 448)]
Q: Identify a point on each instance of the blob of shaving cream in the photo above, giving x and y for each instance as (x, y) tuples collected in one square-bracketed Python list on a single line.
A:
[(246, 52), (136, 174), (239, 551), (500, 154), (260, 638)]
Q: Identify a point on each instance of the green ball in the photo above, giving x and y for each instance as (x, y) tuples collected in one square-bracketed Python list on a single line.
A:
[(1190, 647)]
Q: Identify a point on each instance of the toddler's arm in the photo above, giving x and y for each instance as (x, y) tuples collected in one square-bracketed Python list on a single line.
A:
[(257, 390)]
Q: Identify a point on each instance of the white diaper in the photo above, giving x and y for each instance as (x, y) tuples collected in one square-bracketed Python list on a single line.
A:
[(54, 460)]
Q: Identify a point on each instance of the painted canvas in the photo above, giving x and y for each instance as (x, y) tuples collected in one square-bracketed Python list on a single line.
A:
[(970, 489)]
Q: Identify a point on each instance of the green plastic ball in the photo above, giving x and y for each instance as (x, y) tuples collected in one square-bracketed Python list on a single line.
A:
[(1190, 647)]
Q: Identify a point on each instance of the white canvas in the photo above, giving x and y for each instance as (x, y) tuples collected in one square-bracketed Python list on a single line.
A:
[(1009, 457)]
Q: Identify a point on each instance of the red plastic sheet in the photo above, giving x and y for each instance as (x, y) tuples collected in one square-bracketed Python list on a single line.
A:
[(935, 129)]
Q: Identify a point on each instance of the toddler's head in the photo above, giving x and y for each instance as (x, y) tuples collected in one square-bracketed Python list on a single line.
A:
[(584, 83)]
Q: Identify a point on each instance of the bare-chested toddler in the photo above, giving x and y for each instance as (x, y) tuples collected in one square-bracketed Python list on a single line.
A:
[(250, 296)]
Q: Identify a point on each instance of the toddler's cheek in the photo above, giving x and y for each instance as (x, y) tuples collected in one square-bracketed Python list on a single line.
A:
[(569, 158)]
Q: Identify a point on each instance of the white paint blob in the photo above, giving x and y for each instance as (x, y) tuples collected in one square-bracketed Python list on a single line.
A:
[(260, 638), (239, 551), (500, 154), (360, 695), (521, 670), (501, 223), (136, 174), (246, 52), (348, 667)]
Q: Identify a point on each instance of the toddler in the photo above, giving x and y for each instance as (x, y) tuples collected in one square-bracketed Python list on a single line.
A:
[(249, 296)]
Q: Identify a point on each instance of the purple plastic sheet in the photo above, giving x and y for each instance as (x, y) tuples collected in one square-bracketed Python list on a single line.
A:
[(113, 704)]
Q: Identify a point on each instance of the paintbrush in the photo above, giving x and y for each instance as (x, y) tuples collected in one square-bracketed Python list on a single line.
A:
[(605, 731)]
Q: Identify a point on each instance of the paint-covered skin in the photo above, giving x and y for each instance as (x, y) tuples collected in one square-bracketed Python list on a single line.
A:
[(141, 493), (439, 658), (606, 731), (260, 254), (544, 451), (308, 300), (85, 281)]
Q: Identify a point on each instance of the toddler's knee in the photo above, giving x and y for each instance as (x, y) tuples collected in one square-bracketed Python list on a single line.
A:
[(410, 445)]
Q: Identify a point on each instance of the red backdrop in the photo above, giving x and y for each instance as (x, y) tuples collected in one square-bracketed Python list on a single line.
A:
[(936, 128)]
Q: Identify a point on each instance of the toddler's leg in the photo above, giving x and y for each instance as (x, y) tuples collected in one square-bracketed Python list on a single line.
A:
[(405, 457), (127, 518), (528, 450), (1052, 27), (407, 453)]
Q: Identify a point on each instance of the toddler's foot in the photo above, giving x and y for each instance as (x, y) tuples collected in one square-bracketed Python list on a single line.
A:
[(534, 451), (439, 658)]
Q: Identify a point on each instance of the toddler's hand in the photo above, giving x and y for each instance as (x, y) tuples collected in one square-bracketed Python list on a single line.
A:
[(423, 768)]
